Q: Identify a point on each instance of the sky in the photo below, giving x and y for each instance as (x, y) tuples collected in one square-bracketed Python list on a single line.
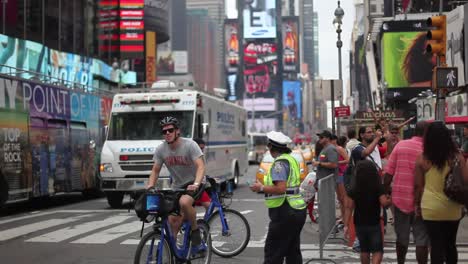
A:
[(328, 52)]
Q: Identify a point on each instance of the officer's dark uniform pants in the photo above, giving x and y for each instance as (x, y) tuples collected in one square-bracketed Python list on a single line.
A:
[(284, 235)]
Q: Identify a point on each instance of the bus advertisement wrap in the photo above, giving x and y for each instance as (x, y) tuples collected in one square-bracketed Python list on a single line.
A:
[(49, 138)]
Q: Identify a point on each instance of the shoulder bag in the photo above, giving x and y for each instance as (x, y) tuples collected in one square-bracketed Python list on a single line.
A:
[(455, 187)]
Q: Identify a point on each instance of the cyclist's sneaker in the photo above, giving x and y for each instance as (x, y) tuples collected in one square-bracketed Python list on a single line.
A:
[(196, 238)]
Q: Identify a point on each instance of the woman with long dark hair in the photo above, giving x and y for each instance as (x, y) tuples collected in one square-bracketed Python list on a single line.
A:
[(369, 196), (440, 214)]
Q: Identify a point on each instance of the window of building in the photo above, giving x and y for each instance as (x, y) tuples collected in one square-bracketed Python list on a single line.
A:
[(373, 8)]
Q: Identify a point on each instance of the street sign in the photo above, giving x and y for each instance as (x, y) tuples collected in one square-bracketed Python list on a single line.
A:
[(446, 77), (342, 111)]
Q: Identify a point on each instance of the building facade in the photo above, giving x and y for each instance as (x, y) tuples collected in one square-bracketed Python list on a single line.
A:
[(215, 11)]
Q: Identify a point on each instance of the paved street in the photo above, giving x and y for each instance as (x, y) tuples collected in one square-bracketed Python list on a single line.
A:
[(72, 230)]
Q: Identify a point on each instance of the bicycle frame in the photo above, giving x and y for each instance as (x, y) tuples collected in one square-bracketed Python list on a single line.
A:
[(216, 203)]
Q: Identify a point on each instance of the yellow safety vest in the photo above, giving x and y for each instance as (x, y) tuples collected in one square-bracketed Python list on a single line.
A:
[(292, 194)]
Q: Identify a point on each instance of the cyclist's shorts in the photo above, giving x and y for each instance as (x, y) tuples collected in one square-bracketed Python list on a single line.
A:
[(203, 198)]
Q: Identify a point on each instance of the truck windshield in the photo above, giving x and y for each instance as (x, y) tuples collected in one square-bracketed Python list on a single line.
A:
[(145, 125)]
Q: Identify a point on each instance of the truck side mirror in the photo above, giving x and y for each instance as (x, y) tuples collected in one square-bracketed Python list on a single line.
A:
[(106, 130), (205, 128)]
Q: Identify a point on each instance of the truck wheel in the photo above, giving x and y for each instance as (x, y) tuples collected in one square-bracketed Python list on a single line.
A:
[(115, 199), (235, 180)]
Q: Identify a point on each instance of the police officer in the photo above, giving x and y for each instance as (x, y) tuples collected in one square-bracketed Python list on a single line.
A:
[(286, 208)]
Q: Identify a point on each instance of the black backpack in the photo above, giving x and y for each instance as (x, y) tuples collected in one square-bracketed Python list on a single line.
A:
[(349, 173)]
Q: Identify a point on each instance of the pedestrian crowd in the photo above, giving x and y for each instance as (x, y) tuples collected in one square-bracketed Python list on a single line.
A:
[(378, 174)]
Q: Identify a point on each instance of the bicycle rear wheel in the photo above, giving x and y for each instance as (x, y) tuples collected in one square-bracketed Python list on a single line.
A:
[(231, 242), (206, 239), (147, 250)]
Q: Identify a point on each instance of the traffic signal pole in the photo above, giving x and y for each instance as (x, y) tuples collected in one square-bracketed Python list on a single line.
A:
[(440, 103), (437, 39)]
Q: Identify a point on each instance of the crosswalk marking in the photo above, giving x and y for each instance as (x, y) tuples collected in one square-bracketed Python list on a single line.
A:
[(72, 231), (92, 227), (30, 228), (110, 234), (32, 215)]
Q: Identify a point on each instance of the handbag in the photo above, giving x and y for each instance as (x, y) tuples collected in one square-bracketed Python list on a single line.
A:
[(455, 188)]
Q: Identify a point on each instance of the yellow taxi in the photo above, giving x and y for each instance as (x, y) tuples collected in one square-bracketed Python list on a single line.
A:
[(307, 152), (267, 161)]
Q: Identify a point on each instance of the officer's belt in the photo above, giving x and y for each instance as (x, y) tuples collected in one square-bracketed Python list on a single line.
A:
[(288, 191)]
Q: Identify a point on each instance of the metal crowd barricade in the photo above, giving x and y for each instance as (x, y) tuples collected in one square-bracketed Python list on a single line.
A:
[(327, 214)]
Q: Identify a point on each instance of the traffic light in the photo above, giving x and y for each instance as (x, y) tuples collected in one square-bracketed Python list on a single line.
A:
[(437, 37)]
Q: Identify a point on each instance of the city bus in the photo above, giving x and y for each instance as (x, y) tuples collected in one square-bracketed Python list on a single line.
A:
[(50, 137)]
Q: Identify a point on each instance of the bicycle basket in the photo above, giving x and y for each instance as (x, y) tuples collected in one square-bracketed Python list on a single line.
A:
[(169, 203)]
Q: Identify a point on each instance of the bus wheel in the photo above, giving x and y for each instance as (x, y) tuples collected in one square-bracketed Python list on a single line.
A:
[(115, 199), (3, 190)]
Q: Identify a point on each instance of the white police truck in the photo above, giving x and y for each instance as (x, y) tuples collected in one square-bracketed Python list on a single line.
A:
[(134, 133)]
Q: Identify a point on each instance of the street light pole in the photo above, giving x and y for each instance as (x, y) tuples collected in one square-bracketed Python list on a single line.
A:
[(332, 91), (338, 21)]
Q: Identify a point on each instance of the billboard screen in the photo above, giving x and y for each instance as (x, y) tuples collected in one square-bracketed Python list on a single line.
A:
[(290, 35), (108, 17), (260, 67), (405, 62), (231, 45), (170, 62), (131, 28), (35, 57), (455, 47), (259, 18), (292, 108), (150, 60)]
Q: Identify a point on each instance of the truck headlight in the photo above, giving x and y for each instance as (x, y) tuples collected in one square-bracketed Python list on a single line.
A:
[(106, 167)]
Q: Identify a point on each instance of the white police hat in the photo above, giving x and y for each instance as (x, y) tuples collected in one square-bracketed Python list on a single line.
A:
[(278, 139)]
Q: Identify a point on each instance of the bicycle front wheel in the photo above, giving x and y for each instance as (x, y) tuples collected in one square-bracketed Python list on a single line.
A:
[(232, 239), (147, 250)]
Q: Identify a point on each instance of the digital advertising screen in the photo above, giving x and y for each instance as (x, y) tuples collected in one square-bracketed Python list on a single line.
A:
[(405, 62), (260, 67), (292, 107), (290, 35), (259, 19), (132, 28), (231, 45)]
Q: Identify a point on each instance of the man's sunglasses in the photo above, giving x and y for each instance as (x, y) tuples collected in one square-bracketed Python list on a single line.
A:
[(169, 130)]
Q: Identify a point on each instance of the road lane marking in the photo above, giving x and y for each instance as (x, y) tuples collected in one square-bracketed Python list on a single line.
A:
[(110, 234), (30, 228), (73, 231)]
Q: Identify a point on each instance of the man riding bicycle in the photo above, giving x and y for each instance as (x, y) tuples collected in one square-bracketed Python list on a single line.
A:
[(184, 160)]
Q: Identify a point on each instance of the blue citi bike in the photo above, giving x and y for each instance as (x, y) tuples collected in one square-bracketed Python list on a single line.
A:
[(229, 229), (160, 246)]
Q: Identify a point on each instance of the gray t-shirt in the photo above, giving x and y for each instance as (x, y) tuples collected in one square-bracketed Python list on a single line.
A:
[(179, 162), (328, 154)]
